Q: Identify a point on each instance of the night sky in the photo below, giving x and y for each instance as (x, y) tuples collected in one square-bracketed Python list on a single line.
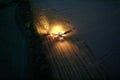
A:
[(99, 23)]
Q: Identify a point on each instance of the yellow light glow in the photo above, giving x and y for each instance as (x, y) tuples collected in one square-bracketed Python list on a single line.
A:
[(56, 29), (61, 38), (42, 25), (66, 48)]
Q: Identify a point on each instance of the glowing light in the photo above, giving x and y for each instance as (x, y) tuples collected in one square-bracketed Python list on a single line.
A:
[(61, 38), (51, 34), (42, 25), (66, 47), (56, 29)]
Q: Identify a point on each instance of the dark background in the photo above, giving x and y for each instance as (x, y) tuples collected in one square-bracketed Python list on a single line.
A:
[(99, 23)]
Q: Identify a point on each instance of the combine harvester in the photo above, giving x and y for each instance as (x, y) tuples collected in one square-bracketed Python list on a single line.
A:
[(60, 35)]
